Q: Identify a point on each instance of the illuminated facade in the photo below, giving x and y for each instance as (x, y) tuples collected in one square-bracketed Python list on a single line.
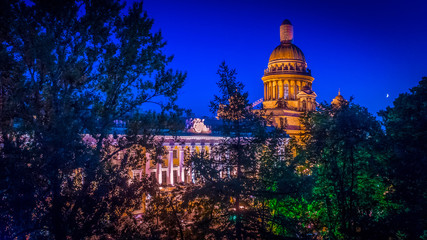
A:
[(287, 83), (287, 94), (196, 138)]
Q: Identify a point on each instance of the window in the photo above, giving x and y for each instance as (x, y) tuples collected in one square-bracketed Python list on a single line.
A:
[(165, 159), (164, 178), (175, 176), (153, 175), (175, 153), (286, 91)]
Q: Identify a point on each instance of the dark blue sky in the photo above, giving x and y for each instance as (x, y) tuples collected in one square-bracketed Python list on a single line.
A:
[(367, 48)]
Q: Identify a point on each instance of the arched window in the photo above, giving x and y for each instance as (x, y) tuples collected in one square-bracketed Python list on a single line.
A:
[(285, 91), (304, 105)]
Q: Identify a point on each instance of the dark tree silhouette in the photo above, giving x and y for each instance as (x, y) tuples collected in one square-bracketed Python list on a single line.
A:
[(406, 128), (68, 70)]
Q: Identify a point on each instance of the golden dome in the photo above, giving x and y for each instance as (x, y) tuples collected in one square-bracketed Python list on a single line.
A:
[(339, 100), (287, 58), (287, 51)]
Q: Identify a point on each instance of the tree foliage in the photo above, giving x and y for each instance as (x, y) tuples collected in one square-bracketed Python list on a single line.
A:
[(406, 128), (343, 147), (239, 177), (69, 70)]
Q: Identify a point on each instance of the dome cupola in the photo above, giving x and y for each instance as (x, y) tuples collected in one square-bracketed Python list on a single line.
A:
[(286, 32), (339, 100), (287, 57), (287, 51)]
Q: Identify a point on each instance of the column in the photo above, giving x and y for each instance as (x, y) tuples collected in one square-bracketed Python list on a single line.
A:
[(159, 173), (277, 90), (193, 178), (291, 90), (181, 163), (147, 164), (280, 89), (274, 90), (271, 91), (170, 167)]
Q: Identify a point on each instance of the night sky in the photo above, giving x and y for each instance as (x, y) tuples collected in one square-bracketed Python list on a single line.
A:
[(368, 49)]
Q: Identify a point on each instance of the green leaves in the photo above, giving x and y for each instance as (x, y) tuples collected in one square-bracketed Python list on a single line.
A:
[(342, 145)]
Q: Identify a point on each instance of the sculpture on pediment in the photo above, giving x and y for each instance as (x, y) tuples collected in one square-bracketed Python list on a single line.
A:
[(197, 125)]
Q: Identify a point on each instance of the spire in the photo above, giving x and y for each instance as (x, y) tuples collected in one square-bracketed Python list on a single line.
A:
[(286, 32), (339, 91)]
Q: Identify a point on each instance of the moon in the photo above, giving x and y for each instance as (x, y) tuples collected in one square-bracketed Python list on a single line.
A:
[(387, 95)]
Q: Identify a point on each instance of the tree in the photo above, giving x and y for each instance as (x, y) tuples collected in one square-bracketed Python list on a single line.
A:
[(343, 146), (69, 70), (406, 137), (236, 180)]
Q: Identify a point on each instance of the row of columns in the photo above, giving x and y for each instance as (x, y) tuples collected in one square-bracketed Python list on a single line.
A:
[(274, 90), (170, 168)]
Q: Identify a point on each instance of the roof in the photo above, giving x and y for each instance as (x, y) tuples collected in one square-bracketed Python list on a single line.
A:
[(287, 51), (286, 21)]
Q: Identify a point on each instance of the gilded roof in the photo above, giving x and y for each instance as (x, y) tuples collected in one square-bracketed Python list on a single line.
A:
[(287, 51), (339, 98)]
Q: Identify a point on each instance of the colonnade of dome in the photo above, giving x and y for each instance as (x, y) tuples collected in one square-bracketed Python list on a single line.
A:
[(287, 89)]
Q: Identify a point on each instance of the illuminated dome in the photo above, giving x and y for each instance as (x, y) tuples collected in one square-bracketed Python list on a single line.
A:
[(287, 58), (288, 84), (287, 51), (339, 100)]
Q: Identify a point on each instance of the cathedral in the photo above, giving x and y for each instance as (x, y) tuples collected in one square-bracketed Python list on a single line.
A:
[(287, 95), (287, 84)]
